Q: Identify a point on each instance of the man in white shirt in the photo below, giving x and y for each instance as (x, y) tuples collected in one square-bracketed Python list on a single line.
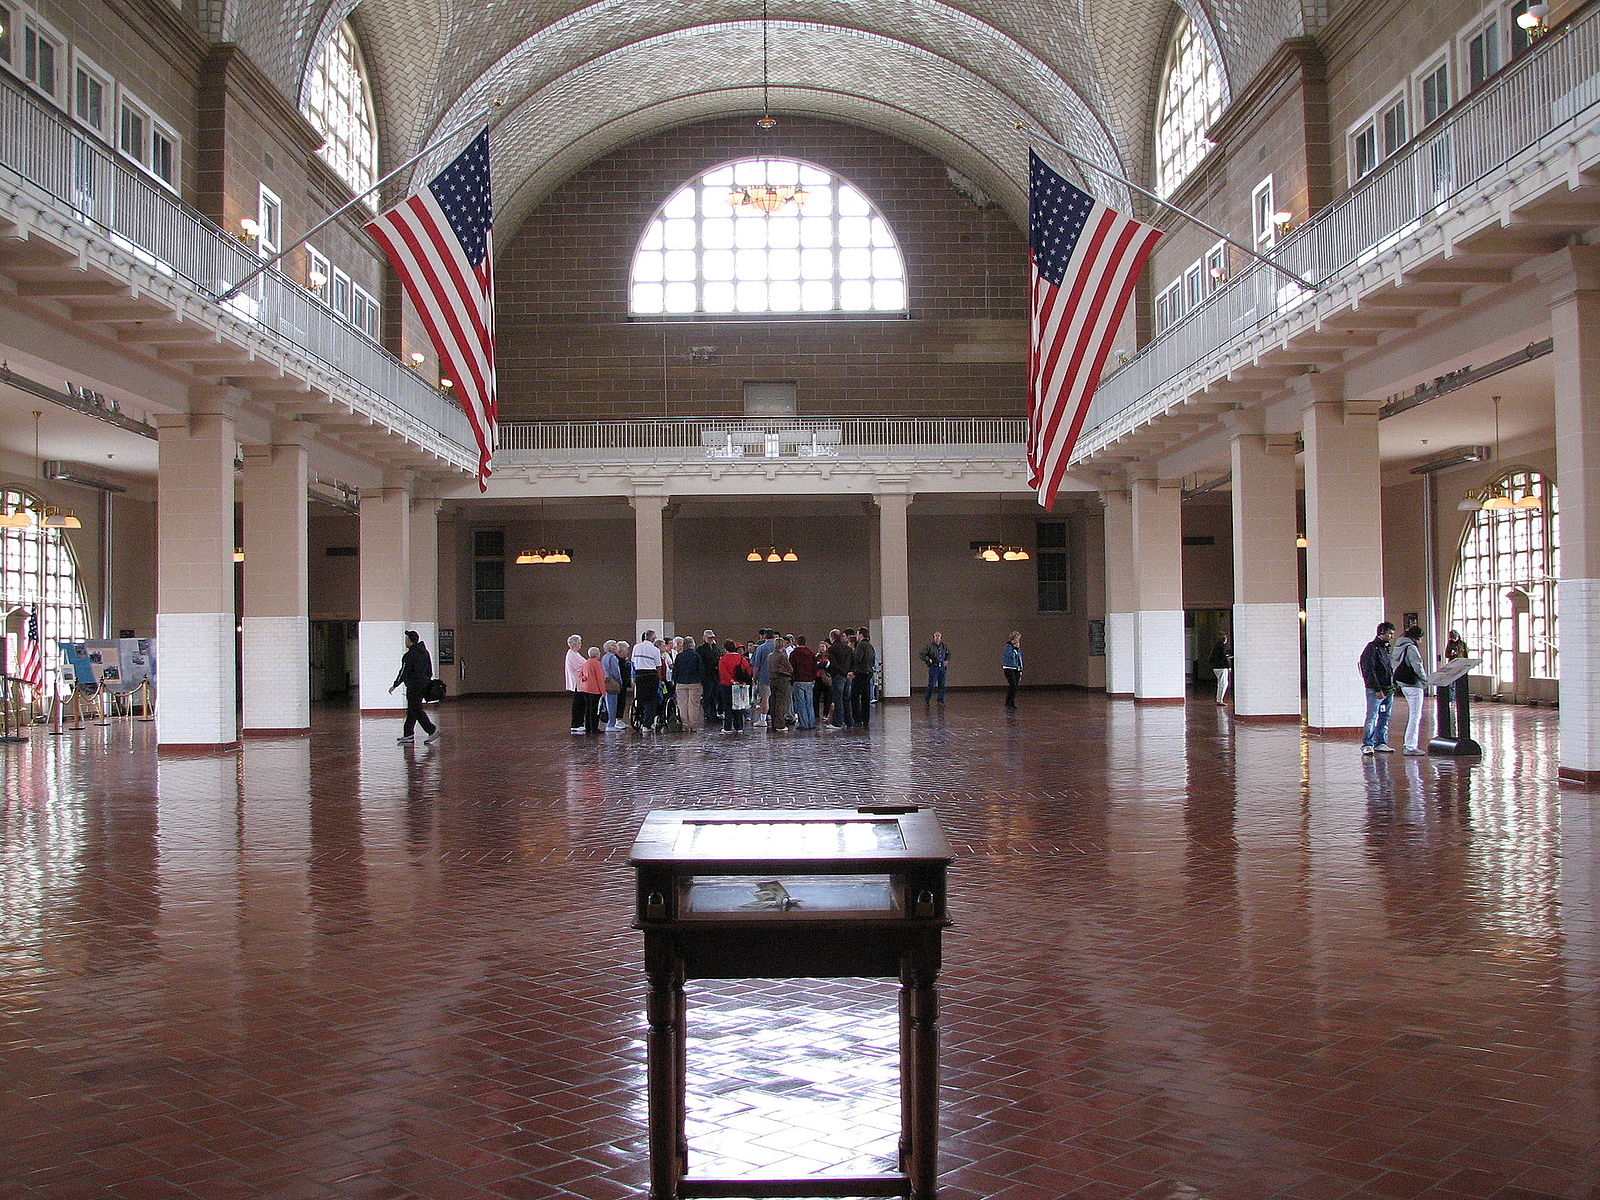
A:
[(647, 680)]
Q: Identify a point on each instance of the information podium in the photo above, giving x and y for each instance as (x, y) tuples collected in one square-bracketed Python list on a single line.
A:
[(772, 894)]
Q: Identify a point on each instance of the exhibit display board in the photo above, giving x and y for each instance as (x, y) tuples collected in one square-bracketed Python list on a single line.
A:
[(110, 664)]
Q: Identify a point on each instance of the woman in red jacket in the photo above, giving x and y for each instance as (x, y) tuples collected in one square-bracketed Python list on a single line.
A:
[(591, 686), (733, 669)]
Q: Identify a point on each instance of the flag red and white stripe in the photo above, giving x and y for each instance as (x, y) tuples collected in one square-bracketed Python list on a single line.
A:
[(1085, 259), (30, 662), (440, 241)]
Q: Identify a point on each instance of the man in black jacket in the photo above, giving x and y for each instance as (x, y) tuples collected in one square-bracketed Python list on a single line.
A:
[(1377, 672), (416, 672), (863, 666), (710, 703)]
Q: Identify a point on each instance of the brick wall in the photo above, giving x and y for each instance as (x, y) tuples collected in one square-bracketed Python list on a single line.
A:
[(568, 351)]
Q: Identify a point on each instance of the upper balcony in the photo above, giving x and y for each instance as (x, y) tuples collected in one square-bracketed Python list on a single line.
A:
[(736, 455), (108, 250), (1506, 176)]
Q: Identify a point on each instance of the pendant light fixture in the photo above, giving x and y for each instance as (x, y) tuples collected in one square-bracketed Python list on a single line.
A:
[(765, 197), (46, 516), (543, 556), (771, 554)]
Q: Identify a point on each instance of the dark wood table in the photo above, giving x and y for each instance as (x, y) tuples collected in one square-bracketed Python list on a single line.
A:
[(772, 894)]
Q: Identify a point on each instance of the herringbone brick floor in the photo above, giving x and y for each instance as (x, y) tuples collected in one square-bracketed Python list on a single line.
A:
[(1192, 961)]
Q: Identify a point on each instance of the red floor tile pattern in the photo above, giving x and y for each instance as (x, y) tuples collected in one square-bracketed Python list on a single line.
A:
[(1193, 961)]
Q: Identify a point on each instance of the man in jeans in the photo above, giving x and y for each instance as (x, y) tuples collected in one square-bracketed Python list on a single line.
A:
[(1377, 673)]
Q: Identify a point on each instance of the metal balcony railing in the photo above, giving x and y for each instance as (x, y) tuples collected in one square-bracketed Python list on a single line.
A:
[(761, 437), (53, 161), (1532, 102)]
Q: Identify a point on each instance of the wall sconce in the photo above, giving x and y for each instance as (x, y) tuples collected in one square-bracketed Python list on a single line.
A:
[(1218, 275), (1300, 541), (416, 360), (1282, 221), (249, 229), (1535, 21), (238, 554), (316, 280), (446, 384)]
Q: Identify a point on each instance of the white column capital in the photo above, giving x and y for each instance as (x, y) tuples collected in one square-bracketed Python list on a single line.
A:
[(1568, 271)]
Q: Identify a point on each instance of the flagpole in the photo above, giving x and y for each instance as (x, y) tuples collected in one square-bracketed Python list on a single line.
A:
[(269, 263), (1186, 215)]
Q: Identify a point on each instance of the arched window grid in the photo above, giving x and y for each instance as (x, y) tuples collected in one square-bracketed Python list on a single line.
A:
[(1190, 101), (339, 104), (1504, 551), (38, 571), (701, 256)]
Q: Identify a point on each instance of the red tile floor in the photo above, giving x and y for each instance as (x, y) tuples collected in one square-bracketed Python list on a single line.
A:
[(1194, 960)]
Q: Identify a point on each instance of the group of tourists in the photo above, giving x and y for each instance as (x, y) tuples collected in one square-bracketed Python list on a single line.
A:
[(776, 681)]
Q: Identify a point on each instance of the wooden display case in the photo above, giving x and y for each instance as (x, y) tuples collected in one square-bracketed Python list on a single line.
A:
[(762, 894)]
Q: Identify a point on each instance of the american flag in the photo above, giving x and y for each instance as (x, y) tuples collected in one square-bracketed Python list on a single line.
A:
[(439, 240), (1084, 260), (30, 663)]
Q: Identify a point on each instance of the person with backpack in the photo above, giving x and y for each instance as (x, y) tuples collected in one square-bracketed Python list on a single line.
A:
[(1409, 676), (416, 672)]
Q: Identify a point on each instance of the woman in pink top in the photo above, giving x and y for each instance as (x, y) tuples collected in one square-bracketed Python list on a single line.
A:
[(591, 686)]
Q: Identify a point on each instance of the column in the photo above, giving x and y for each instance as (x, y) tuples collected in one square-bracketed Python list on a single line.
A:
[(1120, 653), (423, 611), (1266, 576), (1344, 558), (197, 684), (276, 692), (894, 593), (1159, 657), (649, 562), (1573, 276), (385, 595)]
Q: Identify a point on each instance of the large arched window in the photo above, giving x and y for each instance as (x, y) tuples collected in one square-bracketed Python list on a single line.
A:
[(339, 104), (38, 572), (1504, 599), (1189, 103), (704, 255)]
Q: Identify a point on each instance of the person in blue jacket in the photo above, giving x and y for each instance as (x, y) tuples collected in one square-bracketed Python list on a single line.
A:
[(1012, 665)]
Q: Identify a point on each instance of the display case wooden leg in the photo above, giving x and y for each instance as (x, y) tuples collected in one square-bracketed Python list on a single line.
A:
[(920, 1078), (665, 1053)]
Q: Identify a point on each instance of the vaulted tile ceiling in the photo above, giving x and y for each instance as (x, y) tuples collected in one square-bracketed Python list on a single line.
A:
[(579, 81)]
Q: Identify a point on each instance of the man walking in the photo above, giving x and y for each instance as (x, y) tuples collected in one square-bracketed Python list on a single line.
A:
[(416, 672), (1377, 673)]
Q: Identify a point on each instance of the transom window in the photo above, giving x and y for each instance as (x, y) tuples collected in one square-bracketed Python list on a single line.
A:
[(38, 571), (1190, 102), (1504, 599), (339, 104), (703, 256)]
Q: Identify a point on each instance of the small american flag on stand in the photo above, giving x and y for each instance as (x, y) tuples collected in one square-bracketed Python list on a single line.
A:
[(439, 240), (30, 663), (1084, 261)]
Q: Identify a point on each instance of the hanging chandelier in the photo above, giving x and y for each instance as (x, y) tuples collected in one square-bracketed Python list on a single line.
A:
[(1494, 498), (37, 512), (766, 198), (543, 556)]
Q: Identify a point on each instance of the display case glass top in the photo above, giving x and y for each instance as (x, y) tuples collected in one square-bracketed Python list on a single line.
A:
[(749, 840)]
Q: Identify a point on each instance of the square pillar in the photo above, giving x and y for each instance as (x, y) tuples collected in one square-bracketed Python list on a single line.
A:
[(1121, 656), (894, 594), (196, 612), (385, 596), (1573, 277), (276, 692), (1344, 558), (423, 612), (649, 563), (1159, 659), (1266, 579)]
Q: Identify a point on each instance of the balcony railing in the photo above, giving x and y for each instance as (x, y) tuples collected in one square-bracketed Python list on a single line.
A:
[(764, 438), (54, 161), (1532, 102)]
